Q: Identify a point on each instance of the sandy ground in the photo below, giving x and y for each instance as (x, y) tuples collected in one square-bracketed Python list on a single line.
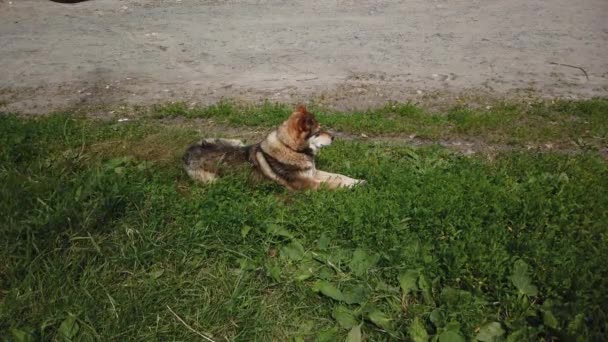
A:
[(347, 54)]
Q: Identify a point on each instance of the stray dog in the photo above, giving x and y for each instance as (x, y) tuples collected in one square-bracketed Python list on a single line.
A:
[(286, 156)]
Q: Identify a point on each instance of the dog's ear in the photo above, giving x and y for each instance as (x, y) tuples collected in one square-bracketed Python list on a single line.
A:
[(301, 109), (307, 122)]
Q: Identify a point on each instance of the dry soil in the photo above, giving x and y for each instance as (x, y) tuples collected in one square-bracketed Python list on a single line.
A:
[(347, 54)]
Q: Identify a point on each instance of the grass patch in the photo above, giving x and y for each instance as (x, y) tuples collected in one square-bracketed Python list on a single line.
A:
[(562, 124), (104, 236)]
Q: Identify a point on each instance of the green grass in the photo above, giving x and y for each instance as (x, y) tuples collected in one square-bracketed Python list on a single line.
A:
[(104, 237), (561, 123)]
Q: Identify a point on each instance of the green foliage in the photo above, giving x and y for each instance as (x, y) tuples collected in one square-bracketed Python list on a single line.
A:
[(362, 262), (381, 319), (558, 123), (408, 281), (490, 332), (417, 331), (354, 335), (345, 317), (521, 279), (328, 290), (99, 238), (68, 329)]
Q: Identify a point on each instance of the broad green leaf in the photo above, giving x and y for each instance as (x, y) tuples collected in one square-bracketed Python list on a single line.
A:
[(454, 297), (425, 286), (453, 325), (325, 273), (518, 335), (437, 318), (156, 274), (85, 337), (306, 270), (293, 251), (306, 327), (327, 335), (328, 289), (451, 336), (521, 279), (384, 287), (321, 257), (407, 281), (417, 331), (273, 271), (68, 328), (490, 332), (354, 335), (362, 262), (246, 264), (345, 317), (245, 230), (302, 275), (577, 324), (380, 319), (22, 336), (276, 230), (356, 294), (436, 283), (78, 194), (323, 242), (549, 319)]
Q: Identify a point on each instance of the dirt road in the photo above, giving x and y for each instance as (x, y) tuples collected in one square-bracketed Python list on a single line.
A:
[(340, 53)]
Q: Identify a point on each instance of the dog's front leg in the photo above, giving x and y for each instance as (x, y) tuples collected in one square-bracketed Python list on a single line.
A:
[(334, 180)]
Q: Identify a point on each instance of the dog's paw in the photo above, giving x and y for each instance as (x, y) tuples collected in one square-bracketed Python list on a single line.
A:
[(361, 182), (356, 182)]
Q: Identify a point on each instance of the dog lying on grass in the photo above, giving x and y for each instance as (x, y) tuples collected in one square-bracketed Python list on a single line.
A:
[(285, 156)]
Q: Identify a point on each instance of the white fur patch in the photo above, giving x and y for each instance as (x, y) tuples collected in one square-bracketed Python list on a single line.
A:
[(202, 175), (316, 142)]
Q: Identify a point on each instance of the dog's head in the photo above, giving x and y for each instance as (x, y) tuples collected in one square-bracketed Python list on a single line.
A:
[(303, 132)]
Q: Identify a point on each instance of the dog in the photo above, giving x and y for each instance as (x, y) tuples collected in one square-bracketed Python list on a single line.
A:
[(285, 156)]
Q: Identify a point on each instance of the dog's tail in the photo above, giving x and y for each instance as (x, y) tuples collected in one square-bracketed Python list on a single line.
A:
[(203, 159)]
